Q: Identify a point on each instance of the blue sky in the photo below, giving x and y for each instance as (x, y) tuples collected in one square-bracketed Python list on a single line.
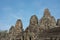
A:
[(11, 10)]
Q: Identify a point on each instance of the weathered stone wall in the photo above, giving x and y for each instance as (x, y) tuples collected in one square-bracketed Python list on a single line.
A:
[(4, 35)]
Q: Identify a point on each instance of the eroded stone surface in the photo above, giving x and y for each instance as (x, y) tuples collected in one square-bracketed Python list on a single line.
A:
[(17, 31), (33, 20), (47, 21), (45, 29)]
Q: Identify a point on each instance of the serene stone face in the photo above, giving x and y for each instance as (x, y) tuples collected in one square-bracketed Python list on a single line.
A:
[(18, 26), (34, 20), (18, 23), (46, 12)]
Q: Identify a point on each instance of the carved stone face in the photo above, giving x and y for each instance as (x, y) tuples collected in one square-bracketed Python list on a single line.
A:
[(46, 12), (18, 23), (34, 20), (18, 26)]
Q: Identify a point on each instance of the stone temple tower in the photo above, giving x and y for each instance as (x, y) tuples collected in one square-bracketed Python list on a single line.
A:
[(47, 21), (32, 29), (33, 20), (46, 12), (11, 33), (19, 30), (16, 32), (19, 26)]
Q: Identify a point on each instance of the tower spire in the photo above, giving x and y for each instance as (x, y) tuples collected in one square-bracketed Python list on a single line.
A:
[(46, 12), (18, 23), (33, 20)]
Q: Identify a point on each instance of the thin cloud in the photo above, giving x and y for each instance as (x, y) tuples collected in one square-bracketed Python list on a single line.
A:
[(36, 4), (4, 26), (7, 8), (13, 15), (21, 5)]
